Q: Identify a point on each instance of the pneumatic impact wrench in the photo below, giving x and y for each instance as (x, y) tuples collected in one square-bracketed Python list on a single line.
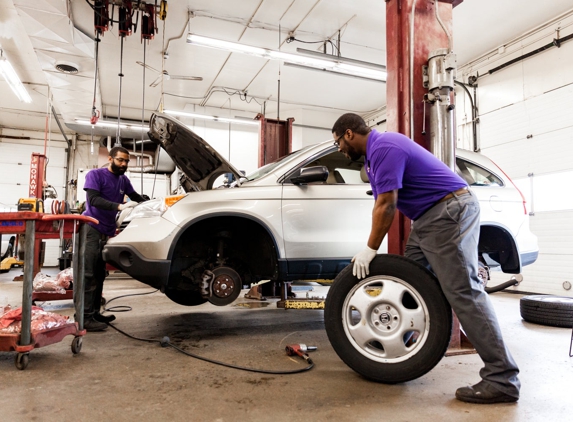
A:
[(300, 350)]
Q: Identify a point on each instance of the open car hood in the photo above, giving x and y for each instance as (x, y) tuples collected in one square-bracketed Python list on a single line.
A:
[(198, 161)]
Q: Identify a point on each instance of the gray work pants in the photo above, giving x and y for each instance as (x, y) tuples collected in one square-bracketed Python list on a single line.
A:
[(445, 239), (95, 271)]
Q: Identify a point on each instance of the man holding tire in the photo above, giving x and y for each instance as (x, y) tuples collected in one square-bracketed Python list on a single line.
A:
[(444, 238)]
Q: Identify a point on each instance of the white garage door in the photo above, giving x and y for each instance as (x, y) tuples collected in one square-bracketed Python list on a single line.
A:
[(526, 127), (15, 179), (533, 141)]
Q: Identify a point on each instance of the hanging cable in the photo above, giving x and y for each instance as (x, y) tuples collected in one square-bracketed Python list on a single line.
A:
[(92, 142), (95, 113), (120, 74), (161, 102), (142, 116)]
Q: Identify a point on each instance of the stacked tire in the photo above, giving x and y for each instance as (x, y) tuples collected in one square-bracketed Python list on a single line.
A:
[(556, 311)]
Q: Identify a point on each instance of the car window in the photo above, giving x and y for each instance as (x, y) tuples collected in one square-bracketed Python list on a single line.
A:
[(341, 169), (475, 175)]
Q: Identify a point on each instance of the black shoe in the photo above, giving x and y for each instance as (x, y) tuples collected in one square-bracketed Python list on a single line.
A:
[(104, 318), (483, 393), (92, 325)]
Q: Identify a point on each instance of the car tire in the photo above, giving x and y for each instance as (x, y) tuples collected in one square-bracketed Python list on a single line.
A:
[(556, 311), (394, 325)]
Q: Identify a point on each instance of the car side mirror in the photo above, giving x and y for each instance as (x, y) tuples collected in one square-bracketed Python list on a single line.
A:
[(309, 174)]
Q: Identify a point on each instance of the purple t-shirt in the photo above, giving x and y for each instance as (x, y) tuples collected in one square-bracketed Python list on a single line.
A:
[(111, 187), (394, 161)]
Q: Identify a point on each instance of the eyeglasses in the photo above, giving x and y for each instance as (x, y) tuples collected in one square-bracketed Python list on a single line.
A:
[(337, 142), (122, 160)]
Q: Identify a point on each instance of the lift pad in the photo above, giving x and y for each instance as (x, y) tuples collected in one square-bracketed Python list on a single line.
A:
[(301, 304)]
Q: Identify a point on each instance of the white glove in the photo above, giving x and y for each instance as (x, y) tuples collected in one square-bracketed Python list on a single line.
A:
[(129, 204), (362, 262)]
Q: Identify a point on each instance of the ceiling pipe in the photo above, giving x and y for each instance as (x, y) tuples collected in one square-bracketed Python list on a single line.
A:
[(450, 46), (474, 113), (555, 43)]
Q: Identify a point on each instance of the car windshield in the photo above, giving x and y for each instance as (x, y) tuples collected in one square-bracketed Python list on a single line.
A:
[(267, 168)]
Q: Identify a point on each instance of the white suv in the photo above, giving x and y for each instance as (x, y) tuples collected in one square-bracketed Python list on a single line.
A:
[(300, 218)]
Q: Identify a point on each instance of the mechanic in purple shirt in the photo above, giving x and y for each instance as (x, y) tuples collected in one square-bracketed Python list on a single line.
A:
[(444, 238), (106, 189)]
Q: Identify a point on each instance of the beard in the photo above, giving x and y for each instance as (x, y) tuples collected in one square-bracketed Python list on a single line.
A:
[(353, 154), (117, 169)]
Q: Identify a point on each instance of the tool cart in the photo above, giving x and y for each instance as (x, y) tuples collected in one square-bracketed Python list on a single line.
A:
[(37, 226)]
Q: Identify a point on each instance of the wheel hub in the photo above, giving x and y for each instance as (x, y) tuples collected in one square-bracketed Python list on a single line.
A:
[(223, 286), (385, 318)]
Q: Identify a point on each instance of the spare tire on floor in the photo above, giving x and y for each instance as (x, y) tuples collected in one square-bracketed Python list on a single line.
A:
[(392, 326), (556, 311)]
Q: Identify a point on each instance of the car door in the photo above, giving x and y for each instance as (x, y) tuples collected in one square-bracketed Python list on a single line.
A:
[(326, 223), (499, 201)]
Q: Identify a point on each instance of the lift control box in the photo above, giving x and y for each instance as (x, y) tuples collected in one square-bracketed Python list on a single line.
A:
[(31, 204)]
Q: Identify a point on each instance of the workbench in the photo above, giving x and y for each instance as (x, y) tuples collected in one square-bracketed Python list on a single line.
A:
[(37, 227)]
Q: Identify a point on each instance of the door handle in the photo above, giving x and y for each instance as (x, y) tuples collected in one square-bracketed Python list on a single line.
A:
[(369, 192)]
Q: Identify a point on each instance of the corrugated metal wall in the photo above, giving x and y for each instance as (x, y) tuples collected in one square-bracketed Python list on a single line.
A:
[(526, 127)]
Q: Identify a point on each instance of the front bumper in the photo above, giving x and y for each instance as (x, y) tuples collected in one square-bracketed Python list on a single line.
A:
[(153, 272)]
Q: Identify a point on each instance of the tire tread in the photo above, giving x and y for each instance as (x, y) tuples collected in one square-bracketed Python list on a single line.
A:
[(547, 310)]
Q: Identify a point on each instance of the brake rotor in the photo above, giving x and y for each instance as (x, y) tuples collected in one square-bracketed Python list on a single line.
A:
[(225, 287)]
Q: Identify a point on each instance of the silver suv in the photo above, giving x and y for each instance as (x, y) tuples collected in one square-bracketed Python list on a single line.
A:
[(286, 221)]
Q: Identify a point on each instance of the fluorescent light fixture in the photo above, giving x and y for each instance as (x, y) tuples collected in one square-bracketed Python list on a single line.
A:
[(239, 121), (326, 62), (9, 74), (351, 75), (340, 59), (112, 124), (226, 45)]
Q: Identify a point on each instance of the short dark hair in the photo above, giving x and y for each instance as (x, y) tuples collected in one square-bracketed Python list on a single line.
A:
[(113, 152), (350, 121)]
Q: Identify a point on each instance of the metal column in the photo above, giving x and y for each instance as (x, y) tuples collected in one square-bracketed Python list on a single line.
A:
[(25, 333), (412, 32)]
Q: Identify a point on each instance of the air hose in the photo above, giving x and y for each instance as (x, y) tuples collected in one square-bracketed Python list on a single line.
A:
[(166, 342), (502, 286)]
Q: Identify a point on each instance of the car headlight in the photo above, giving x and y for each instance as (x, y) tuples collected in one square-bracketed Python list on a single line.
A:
[(153, 208)]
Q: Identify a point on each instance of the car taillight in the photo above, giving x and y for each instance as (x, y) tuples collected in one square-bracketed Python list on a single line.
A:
[(509, 178)]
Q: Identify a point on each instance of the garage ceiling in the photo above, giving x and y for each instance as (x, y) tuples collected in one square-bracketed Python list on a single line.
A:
[(36, 35)]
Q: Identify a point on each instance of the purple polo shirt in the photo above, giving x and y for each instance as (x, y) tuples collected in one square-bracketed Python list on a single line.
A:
[(111, 187), (394, 161)]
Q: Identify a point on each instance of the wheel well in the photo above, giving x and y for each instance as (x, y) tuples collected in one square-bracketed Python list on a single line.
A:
[(499, 246), (248, 248)]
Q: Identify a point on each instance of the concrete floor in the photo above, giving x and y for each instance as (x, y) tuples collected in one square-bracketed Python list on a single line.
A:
[(118, 379)]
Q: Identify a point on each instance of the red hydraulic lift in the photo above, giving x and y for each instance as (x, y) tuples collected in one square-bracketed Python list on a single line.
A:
[(413, 31), (406, 55)]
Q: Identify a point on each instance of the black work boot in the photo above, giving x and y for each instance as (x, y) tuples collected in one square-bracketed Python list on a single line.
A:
[(483, 393), (104, 318), (91, 325)]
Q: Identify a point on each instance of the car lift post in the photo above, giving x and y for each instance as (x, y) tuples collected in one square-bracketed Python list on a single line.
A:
[(404, 95)]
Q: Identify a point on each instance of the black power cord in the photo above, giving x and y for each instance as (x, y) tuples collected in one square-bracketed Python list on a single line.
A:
[(166, 342), (125, 308)]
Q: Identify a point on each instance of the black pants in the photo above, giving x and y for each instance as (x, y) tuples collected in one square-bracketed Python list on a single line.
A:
[(94, 271)]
